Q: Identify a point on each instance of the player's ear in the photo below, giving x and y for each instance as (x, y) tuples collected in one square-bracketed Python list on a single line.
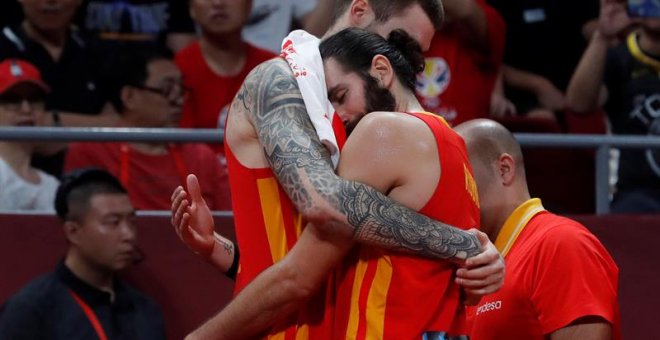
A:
[(382, 70), (360, 14), (506, 169)]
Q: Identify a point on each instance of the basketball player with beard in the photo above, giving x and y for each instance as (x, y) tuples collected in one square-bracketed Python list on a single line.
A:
[(365, 72)]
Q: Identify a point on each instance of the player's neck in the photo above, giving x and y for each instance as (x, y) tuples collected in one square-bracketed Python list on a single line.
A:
[(224, 55), (339, 24), (90, 274), (407, 102)]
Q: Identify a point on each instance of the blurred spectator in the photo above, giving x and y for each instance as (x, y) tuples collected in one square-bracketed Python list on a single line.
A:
[(463, 62), (624, 79), (10, 13), (46, 39), (165, 23), (148, 94), (83, 298), (543, 46), (22, 101), (214, 67), (272, 20)]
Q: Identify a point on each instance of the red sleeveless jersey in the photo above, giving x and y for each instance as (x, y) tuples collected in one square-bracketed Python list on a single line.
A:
[(267, 226), (383, 295)]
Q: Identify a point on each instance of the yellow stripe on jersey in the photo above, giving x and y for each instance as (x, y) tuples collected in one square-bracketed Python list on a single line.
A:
[(440, 118), (354, 316), (271, 209), (278, 336), (471, 185), (298, 227), (302, 333), (377, 300)]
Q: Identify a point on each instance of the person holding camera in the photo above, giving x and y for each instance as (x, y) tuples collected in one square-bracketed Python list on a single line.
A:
[(620, 73)]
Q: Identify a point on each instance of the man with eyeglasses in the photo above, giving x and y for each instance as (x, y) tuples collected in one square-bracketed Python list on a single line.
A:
[(147, 93), (22, 96)]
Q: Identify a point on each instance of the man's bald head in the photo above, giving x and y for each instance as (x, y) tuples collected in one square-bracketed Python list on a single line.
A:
[(498, 169), (487, 140)]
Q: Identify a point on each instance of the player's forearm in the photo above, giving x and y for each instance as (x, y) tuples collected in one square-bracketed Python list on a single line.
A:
[(335, 205), (377, 220), (584, 89), (270, 298)]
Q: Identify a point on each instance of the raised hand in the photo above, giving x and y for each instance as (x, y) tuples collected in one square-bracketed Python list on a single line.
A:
[(192, 219), (613, 18)]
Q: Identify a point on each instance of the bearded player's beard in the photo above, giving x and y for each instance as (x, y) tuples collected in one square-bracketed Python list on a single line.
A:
[(377, 98)]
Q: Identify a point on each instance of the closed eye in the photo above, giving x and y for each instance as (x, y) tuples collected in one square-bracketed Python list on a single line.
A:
[(337, 95)]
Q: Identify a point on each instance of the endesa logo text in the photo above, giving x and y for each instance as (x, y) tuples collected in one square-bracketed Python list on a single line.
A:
[(487, 307)]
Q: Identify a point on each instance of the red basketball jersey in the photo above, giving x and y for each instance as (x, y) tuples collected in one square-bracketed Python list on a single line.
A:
[(267, 226), (383, 295)]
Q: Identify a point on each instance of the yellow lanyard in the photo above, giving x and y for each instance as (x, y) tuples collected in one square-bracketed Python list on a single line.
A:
[(638, 54), (516, 223)]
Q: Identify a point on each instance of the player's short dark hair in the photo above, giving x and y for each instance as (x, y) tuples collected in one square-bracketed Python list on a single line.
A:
[(79, 186), (355, 48), (385, 9)]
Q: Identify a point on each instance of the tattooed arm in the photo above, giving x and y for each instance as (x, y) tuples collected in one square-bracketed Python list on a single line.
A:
[(341, 210), (303, 168)]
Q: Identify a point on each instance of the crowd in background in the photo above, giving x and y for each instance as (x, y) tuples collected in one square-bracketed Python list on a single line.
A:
[(534, 65), (168, 63)]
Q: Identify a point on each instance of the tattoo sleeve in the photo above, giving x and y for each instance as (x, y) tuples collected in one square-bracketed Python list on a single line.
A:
[(302, 165)]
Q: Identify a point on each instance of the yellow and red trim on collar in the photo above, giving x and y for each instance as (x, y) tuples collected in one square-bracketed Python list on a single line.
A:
[(516, 223)]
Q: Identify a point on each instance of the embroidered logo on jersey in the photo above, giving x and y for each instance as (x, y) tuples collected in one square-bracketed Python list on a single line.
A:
[(489, 306), (433, 81), (471, 185)]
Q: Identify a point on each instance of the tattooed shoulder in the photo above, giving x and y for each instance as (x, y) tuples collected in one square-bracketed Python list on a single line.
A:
[(264, 83)]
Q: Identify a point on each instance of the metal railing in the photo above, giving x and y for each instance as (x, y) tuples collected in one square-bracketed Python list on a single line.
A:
[(602, 143)]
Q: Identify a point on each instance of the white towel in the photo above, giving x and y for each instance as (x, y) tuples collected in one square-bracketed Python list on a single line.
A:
[(301, 51)]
